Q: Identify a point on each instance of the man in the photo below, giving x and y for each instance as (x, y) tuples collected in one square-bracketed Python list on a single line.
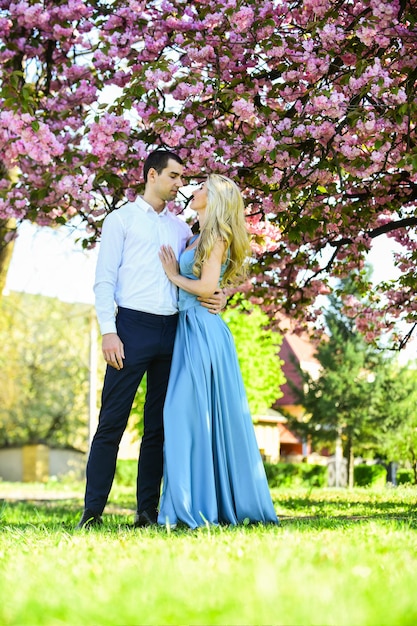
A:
[(140, 337)]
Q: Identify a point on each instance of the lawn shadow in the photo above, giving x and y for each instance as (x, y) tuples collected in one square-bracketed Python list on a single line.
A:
[(56, 514), (336, 510), (336, 522), (299, 512)]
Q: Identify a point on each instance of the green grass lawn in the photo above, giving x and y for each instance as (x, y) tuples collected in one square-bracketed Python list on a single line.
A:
[(337, 558)]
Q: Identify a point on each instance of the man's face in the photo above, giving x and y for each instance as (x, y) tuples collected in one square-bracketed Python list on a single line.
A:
[(169, 181)]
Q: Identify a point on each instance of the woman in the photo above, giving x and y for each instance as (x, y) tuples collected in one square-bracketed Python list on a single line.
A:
[(213, 470)]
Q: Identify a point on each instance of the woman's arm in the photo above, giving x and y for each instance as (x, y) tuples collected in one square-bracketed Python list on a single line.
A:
[(208, 282)]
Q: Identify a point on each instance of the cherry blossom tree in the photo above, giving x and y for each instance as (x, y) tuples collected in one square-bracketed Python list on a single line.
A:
[(310, 104)]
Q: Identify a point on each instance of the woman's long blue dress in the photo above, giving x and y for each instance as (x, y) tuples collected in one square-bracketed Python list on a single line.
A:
[(213, 471)]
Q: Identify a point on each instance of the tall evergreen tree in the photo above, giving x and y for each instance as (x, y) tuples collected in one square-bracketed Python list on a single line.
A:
[(344, 402)]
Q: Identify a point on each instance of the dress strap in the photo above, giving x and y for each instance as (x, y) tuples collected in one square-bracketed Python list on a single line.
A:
[(192, 239)]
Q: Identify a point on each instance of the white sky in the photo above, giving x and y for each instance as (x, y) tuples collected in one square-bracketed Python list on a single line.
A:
[(49, 262)]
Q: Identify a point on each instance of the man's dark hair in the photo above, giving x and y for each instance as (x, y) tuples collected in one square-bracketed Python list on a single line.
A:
[(158, 160)]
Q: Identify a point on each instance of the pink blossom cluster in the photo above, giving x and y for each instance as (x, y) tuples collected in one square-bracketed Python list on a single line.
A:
[(310, 105), (108, 138), (19, 136)]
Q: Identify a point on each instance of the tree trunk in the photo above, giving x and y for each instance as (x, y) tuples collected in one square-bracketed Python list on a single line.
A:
[(7, 232), (338, 458), (350, 461)]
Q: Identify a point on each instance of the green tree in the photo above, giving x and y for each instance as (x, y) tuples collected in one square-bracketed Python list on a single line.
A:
[(344, 402), (397, 440), (44, 381), (257, 348)]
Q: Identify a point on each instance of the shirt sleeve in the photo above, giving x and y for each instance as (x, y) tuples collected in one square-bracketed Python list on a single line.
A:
[(107, 269)]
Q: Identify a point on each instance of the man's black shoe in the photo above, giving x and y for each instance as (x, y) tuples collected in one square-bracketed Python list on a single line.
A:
[(144, 518), (89, 520)]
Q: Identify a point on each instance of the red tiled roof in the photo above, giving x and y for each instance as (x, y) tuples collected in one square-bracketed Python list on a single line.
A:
[(286, 436), (303, 348)]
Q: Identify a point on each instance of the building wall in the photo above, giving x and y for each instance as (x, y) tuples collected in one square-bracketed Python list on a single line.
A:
[(11, 464), (38, 463), (267, 436)]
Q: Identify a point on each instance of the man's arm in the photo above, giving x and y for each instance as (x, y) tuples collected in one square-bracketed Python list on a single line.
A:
[(108, 263), (107, 269), (214, 303)]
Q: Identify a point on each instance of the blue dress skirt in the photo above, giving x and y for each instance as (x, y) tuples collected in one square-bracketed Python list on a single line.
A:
[(213, 471)]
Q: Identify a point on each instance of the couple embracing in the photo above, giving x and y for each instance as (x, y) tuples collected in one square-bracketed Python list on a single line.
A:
[(198, 438)]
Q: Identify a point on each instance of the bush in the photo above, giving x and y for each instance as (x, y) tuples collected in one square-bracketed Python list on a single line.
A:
[(405, 476), (126, 472), (315, 475), (296, 475), (278, 474), (370, 475)]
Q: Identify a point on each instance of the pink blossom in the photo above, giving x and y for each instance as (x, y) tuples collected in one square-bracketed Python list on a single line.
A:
[(172, 136), (289, 99), (244, 109), (243, 19)]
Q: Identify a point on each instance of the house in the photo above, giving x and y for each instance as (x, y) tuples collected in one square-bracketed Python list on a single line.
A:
[(296, 351), (275, 441)]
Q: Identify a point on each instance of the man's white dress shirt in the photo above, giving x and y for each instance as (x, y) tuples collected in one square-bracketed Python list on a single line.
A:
[(129, 272)]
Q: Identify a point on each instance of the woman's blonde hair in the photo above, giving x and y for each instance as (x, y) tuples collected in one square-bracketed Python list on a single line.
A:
[(224, 220)]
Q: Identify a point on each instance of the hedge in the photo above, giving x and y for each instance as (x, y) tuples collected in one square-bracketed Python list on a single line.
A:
[(370, 475), (296, 475), (278, 474), (405, 476)]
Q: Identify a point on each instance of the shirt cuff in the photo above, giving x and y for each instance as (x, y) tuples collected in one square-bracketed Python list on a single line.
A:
[(108, 327)]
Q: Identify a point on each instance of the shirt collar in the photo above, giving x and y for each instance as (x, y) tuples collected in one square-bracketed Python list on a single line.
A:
[(145, 206)]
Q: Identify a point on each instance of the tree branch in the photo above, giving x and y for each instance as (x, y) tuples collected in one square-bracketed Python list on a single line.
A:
[(376, 232)]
